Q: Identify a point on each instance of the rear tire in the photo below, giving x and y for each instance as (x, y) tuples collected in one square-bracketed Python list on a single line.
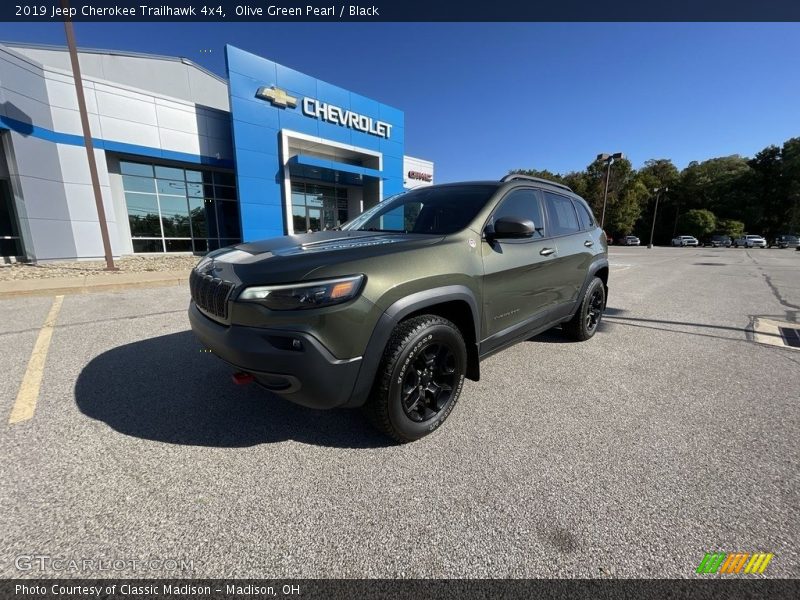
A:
[(419, 379), (584, 323)]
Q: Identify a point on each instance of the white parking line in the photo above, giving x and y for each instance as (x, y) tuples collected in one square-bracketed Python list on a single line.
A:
[(25, 404)]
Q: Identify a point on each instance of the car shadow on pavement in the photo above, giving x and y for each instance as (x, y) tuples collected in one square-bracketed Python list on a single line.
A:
[(168, 389), (557, 336)]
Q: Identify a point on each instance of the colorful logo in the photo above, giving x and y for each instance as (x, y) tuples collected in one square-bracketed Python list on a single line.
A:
[(734, 562)]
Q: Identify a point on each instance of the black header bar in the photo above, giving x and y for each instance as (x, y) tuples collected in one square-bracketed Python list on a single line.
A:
[(402, 10)]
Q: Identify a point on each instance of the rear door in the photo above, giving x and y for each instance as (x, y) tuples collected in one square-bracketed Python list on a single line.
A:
[(521, 280), (573, 249)]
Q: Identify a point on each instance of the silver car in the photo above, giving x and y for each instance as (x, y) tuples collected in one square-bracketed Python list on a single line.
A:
[(685, 240), (750, 241)]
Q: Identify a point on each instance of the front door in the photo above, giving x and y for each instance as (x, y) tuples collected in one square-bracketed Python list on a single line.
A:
[(520, 279)]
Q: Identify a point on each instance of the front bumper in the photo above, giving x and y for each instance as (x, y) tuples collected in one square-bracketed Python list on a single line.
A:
[(292, 364)]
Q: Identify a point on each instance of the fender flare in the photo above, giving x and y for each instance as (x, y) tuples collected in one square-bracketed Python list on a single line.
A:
[(596, 265), (395, 313)]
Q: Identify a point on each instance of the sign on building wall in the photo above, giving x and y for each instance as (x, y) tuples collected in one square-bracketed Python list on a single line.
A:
[(417, 172)]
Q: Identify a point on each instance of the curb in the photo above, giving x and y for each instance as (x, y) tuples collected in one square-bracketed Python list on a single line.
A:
[(83, 285)]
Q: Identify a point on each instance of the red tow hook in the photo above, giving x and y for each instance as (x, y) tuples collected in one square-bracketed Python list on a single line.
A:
[(242, 378)]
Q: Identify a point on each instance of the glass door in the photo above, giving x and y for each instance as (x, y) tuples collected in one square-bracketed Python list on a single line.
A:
[(314, 218), (9, 230)]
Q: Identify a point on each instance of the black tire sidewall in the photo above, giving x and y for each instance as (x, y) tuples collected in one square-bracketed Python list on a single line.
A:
[(438, 333), (595, 283)]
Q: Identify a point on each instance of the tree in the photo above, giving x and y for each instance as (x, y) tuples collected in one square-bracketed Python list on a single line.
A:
[(698, 222), (730, 228), (759, 195)]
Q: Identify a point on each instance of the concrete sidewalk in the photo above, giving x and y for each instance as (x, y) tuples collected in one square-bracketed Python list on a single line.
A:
[(91, 283)]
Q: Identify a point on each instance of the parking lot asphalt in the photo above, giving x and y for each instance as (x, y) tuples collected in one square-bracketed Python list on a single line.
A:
[(670, 434)]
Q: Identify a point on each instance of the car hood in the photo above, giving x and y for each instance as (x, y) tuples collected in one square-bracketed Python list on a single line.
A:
[(295, 257)]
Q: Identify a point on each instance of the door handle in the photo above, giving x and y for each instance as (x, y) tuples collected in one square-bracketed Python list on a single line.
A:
[(547, 251), (588, 243)]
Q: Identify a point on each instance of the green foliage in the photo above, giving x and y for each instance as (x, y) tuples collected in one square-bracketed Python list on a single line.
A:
[(730, 227), (698, 222), (757, 195)]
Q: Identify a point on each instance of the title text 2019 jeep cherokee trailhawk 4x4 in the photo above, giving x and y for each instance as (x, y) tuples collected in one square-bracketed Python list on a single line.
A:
[(393, 311)]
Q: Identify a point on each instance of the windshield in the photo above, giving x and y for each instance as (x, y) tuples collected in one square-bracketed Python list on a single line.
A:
[(434, 210)]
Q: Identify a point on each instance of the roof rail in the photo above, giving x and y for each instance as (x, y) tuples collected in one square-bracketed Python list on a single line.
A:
[(513, 176)]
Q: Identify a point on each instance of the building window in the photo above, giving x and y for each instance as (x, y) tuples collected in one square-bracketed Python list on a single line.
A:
[(9, 232), (171, 209), (317, 207)]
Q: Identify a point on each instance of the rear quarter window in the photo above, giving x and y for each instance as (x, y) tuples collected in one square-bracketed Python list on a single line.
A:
[(585, 217)]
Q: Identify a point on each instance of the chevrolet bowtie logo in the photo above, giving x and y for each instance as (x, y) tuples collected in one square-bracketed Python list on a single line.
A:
[(276, 97)]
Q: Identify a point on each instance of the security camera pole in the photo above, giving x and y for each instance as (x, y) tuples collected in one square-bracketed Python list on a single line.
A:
[(658, 192), (609, 160), (87, 136)]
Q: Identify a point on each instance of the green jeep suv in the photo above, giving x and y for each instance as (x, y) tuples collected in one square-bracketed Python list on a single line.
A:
[(394, 310)]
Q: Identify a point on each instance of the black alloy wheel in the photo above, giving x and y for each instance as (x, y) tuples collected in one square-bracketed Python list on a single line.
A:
[(419, 379), (594, 308), (583, 325), (428, 385)]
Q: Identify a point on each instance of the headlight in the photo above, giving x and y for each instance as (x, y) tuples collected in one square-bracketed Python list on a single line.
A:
[(298, 296)]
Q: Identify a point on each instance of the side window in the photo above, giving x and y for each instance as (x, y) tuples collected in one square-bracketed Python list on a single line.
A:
[(584, 215), (561, 216), (525, 204)]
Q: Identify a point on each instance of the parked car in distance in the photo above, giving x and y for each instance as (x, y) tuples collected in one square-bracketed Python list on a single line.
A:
[(718, 241), (750, 241), (785, 241), (685, 240), (629, 240)]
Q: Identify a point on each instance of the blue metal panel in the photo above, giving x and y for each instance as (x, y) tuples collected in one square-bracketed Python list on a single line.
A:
[(255, 137), (336, 133), (297, 121), (295, 82), (251, 161), (256, 134), (313, 161), (391, 148), (259, 190), (256, 112), (333, 94), (240, 61)]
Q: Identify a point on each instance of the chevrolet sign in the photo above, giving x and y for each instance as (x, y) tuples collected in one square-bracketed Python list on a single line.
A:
[(346, 118)]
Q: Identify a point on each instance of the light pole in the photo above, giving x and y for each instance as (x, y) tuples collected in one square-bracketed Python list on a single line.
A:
[(609, 160), (658, 191), (87, 137)]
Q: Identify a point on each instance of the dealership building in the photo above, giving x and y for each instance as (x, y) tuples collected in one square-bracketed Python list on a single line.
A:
[(188, 161)]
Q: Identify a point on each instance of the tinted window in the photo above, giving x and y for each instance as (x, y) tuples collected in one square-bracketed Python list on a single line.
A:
[(584, 215), (434, 210), (525, 204), (561, 215)]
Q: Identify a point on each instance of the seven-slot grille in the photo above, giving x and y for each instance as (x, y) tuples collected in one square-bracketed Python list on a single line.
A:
[(210, 294)]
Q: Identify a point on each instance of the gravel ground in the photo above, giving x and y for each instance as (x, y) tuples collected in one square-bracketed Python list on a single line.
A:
[(668, 435), (127, 264)]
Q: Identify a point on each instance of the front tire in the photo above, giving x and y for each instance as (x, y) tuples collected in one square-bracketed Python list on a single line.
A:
[(584, 323), (419, 379)]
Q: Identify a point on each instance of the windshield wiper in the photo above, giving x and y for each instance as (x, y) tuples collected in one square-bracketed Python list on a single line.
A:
[(383, 230)]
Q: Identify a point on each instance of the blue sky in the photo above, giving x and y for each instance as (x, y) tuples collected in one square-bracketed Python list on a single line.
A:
[(483, 98)]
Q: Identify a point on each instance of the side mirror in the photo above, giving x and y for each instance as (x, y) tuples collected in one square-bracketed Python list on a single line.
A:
[(512, 228)]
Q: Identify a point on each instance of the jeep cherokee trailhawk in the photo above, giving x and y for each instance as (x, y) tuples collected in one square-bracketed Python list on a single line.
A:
[(394, 310)]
